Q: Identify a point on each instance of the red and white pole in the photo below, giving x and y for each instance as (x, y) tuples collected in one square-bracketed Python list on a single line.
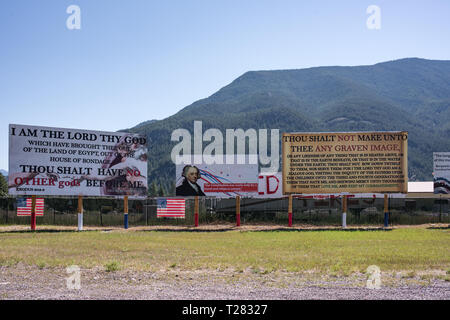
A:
[(238, 211), (125, 212)]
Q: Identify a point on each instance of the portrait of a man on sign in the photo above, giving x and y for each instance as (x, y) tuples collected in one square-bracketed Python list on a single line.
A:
[(334, 162), (220, 180)]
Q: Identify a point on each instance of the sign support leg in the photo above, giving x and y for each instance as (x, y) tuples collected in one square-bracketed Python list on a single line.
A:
[(344, 212), (238, 211), (33, 213), (196, 211)]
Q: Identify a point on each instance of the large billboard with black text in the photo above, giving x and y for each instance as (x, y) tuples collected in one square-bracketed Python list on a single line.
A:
[(59, 161), (441, 172)]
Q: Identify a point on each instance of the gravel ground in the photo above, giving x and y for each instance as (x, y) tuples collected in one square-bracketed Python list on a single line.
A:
[(31, 282)]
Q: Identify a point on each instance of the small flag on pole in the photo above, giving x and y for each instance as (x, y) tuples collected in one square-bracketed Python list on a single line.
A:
[(170, 208), (24, 206)]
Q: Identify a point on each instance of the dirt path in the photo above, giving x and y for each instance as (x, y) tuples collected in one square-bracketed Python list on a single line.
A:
[(31, 282)]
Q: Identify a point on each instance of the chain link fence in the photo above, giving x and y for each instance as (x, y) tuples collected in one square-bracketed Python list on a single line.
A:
[(109, 212)]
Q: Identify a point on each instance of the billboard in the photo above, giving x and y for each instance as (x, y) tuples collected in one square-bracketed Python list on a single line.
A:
[(441, 172), (335, 162), (222, 180), (59, 161)]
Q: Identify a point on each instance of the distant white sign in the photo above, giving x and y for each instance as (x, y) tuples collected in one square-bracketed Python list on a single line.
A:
[(270, 186), (441, 172), (57, 161)]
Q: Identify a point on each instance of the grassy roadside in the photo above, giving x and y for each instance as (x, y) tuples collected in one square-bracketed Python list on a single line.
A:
[(410, 249)]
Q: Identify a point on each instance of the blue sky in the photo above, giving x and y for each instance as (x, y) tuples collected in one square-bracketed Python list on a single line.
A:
[(136, 60)]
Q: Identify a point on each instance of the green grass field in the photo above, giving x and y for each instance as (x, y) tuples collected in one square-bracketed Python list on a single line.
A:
[(408, 249)]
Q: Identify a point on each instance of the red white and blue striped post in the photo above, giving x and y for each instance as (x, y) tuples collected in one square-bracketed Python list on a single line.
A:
[(80, 213), (125, 212), (196, 211), (238, 211), (33, 213)]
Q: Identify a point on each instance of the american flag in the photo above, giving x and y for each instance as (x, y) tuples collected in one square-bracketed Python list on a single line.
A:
[(24, 206), (170, 208)]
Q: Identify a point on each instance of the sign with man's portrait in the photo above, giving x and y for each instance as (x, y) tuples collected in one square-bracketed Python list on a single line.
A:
[(59, 161)]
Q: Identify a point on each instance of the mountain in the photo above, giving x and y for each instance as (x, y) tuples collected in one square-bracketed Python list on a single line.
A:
[(409, 94), (4, 172)]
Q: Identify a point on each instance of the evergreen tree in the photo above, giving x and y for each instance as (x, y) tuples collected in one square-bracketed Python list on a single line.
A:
[(153, 190)]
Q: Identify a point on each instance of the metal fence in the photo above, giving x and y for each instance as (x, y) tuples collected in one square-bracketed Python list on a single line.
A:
[(109, 212)]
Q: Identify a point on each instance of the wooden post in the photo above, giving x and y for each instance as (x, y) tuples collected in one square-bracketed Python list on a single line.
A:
[(238, 211), (125, 212), (196, 211), (344, 212), (386, 211), (7, 209), (290, 210), (33, 213), (80, 213)]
